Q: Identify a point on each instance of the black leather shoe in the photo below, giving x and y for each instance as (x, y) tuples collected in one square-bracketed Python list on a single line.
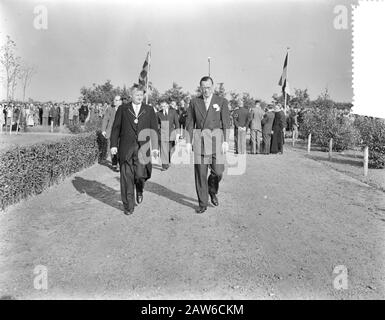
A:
[(201, 209), (128, 212), (139, 197), (214, 199)]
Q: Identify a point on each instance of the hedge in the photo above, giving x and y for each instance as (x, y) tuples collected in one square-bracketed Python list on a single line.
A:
[(372, 132), (28, 170)]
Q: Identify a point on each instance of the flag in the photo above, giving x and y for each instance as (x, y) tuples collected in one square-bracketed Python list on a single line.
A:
[(144, 73), (283, 81)]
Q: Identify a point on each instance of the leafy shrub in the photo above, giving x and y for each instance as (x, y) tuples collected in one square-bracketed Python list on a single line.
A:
[(28, 170), (326, 123), (372, 132)]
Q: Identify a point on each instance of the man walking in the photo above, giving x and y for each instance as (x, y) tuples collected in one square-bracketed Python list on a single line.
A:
[(134, 128), (108, 120), (256, 116), (207, 125), (168, 122)]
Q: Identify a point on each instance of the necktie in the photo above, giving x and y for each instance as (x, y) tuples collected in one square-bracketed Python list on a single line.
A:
[(207, 104)]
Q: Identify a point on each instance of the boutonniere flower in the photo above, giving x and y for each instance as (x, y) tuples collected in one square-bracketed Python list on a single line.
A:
[(216, 107)]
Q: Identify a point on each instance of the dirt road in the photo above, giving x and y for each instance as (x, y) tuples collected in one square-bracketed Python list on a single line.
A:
[(279, 232)]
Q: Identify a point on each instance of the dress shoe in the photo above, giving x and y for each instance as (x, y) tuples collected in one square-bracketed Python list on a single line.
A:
[(214, 199), (139, 197), (128, 212), (201, 209)]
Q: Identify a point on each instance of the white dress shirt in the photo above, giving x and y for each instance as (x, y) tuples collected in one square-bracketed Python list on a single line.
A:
[(136, 108), (207, 101)]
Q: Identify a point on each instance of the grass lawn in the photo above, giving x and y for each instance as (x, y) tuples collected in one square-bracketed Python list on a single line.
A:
[(349, 162)]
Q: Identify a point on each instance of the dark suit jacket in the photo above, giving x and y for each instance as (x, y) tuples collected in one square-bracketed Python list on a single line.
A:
[(267, 122), (241, 117), (130, 136), (173, 123), (216, 117), (279, 121)]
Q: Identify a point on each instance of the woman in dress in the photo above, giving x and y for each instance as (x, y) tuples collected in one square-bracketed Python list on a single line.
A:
[(278, 127)]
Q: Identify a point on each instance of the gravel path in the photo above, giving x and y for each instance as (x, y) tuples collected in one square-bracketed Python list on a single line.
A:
[(278, 233)]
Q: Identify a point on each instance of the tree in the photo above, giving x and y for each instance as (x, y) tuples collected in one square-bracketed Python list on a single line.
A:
[(300, 99), (104, 93), (175, 93), (248, 101), (279, 99), (234, 98), (154, 96), (25, 75), (220, 91), (323, 101), (11, 64)]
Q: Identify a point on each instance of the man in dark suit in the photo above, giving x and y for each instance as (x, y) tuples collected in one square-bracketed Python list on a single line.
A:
[(241, 122), (168, 122), (267, 127), (134, 127), (208, 122)]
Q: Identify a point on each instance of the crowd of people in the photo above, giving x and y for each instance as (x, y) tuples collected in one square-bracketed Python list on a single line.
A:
[(266, 126), (22, 115)]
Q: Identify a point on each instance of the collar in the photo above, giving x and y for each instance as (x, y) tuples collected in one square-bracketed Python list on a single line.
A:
[(208, 99)]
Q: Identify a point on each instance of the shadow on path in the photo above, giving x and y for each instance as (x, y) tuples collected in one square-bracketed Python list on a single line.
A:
[(162, 191), (169, 194), (98, 191)]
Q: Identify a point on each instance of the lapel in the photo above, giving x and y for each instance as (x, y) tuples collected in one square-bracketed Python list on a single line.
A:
[(130, 111), (201, 107), (209, 108)]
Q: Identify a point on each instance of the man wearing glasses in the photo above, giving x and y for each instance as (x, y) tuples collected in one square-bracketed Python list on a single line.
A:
[(108, 120)]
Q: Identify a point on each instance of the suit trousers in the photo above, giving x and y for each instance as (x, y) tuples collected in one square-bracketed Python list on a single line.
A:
[(203, 185), (240, 141), (165, 152), (132, 175), (255, 137), (114, 158), (266, 137)]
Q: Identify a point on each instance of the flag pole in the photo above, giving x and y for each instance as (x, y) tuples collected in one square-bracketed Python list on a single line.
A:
[(287, 76), (148, 74)]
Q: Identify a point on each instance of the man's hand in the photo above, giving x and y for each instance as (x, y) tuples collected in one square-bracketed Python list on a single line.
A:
[(114, 150), (155, 153), (104, 134), (225, 147)]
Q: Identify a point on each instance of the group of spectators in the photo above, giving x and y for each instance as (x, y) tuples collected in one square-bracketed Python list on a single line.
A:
[(266, 126), (21, 115)]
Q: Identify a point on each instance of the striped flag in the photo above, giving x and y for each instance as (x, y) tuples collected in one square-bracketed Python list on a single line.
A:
[(283, 81), (144, 73)]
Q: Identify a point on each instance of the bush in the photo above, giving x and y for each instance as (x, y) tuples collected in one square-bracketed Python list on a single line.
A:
[(93, 125), (372, 132), (326, 123), (28, 170)]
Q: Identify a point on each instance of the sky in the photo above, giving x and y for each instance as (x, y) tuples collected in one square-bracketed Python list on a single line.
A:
[(90, 41)]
